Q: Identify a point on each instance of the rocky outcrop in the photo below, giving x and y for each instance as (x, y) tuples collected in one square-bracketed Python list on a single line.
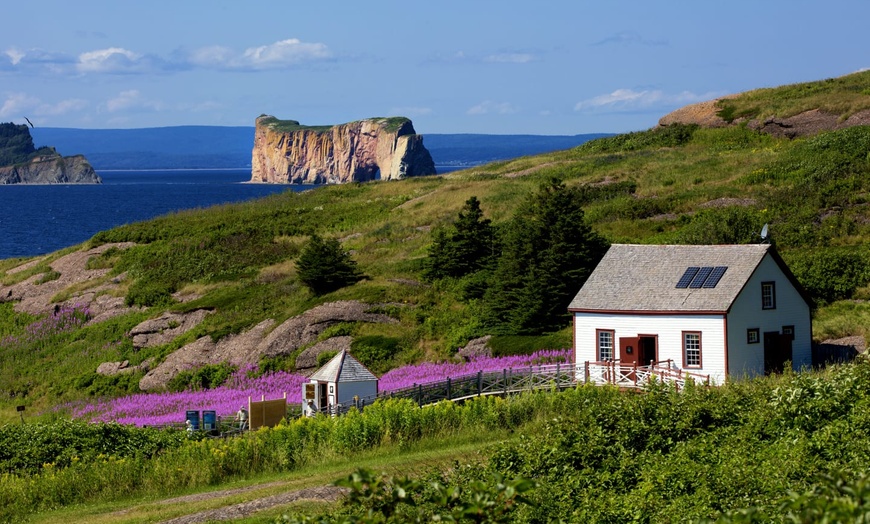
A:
[(262, 341), (705, 114), (22, 163), (286, 152), (163, 329), (69, 275), (51, 169)]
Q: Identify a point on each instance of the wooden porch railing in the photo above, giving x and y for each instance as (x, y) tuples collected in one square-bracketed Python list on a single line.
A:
[(633, 375)]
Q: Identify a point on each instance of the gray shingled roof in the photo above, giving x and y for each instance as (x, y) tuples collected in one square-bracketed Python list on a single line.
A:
[(343, 368), (634, 277)]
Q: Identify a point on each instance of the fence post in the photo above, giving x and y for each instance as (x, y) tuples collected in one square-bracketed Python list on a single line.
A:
[(504, 378), (586, 375), (479, 382), (558, 377), (449, 396)]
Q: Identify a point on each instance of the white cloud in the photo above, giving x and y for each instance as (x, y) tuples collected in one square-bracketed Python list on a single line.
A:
[(14, 55), (278, 55), (110, 60), (16, 104), (510, 58), (488, 107), (629, 100)]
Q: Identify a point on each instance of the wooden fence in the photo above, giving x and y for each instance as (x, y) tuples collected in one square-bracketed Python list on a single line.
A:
[(549, 376)]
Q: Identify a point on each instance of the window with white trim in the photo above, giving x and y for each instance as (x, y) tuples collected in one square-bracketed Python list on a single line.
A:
[(768, 295), (691, 349), (604, 344)]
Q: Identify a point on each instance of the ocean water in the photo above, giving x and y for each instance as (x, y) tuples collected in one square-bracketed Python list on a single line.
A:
[(35, 220)]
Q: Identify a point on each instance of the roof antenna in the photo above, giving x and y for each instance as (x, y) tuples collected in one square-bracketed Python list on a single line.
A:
[(765, 239)]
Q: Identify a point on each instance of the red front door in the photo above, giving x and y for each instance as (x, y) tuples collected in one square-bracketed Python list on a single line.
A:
[(628, 350)]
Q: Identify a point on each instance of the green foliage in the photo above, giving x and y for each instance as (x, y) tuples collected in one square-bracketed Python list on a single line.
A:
[(209, 376), (506, 345), (323, 266), (16, 145), (842, 96), (382, 498), (323, 358), (147, 293), (375, 351), (674, 135), (48, 277), (467, 246), (728, 225), (548, 252), (31, 448), (830, 274)]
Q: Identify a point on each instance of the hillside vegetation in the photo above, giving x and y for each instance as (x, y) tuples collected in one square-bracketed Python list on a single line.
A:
[(675, 184)]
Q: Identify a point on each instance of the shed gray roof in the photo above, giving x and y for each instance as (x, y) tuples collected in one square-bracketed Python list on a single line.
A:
[(634, 277), (343, 368)]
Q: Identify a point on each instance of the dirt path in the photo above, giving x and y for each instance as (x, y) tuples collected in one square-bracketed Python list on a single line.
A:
[(245, 509)]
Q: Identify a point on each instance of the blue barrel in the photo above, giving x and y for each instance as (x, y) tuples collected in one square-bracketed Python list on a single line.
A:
[(209, 420), (193, 417)]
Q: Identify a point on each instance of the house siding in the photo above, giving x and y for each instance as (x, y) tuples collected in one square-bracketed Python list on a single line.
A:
[(669, 329), (747, 360), (347, 390)]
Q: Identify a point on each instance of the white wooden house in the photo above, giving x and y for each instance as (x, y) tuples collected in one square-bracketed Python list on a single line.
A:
[(334, 387), (721, 312)]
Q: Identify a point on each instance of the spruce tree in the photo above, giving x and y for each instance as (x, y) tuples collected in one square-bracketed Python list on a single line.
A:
[(323, 266), (463, 248), (547, 254)]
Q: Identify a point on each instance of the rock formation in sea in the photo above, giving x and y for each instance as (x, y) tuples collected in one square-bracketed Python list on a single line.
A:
[(372, 149), (22, 163)]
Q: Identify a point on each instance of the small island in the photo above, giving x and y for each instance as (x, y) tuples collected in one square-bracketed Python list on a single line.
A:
[(286, 152), (22, 163)]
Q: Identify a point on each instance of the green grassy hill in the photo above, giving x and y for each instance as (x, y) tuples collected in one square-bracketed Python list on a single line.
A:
[(677, 184)]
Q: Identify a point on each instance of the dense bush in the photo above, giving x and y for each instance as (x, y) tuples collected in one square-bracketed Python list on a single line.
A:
[(375, 351), (673, 135), (209, 376), (830, 274), (728, 225)]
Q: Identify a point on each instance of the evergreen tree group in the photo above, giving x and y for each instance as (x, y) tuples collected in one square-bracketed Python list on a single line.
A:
[(530, 271)]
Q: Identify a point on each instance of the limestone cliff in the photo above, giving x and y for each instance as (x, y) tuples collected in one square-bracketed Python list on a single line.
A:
[(51, 169), (22, 163), (373, 149)]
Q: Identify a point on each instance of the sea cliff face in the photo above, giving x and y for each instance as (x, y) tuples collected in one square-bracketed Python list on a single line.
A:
[(374, 149), (22, 163), (51, 169)]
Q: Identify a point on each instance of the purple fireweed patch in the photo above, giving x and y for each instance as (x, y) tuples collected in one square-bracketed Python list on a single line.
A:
[(169, 408)]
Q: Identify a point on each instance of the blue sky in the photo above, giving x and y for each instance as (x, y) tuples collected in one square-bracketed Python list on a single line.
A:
[(471, 66)]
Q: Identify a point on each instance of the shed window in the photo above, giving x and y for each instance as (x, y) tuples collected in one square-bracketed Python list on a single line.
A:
[(605, 344), (691, 349), (768, 295)]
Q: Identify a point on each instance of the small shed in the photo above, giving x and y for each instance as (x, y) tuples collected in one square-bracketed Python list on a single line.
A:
[(337, 383)]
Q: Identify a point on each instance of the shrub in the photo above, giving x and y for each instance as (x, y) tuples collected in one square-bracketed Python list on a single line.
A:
[(830, 274), (147, 293), (207, 377), (375, 351)]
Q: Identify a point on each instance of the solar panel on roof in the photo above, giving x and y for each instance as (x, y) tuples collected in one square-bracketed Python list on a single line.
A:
[(687, 277), (714, 277), (699, 279)]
